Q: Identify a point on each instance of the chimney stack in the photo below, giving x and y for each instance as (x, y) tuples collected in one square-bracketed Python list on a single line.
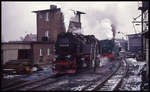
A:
[(53, 6)]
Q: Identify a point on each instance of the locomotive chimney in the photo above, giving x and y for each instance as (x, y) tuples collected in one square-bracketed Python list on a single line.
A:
[(113, 31), (53, 6)]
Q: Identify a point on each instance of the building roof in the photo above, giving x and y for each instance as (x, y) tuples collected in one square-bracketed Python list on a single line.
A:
[(79, 12), (134, 34), (16, 42), (47, 10), (27, 42)]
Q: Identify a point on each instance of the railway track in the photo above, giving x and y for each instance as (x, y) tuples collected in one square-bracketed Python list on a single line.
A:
[(112, 83), (79, 82), (25, 85), (105, 80)]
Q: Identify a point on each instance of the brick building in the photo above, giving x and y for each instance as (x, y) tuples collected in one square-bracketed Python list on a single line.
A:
[(43, 52), (50, 22), (40, 51)]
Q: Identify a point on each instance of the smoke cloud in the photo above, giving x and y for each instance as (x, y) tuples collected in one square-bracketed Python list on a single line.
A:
[(18, 19), (96, 21)]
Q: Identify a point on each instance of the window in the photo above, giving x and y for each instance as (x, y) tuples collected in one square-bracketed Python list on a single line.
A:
[(47, 34), (40, 16), (46, 18), (24, 54), (41, 52), (48, 51)]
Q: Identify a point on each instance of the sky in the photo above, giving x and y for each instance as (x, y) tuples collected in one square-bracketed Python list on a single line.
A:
[(19, 20)]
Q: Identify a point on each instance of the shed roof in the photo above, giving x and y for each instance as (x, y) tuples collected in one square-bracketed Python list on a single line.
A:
[(28, 42)]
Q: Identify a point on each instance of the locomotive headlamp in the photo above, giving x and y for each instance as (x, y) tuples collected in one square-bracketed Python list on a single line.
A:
[(68, 56)]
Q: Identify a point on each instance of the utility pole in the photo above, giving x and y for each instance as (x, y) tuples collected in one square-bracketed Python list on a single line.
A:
[(141, 34), (142, 11)]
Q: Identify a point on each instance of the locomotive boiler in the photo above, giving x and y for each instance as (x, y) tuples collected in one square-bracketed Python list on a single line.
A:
[(75, 52)]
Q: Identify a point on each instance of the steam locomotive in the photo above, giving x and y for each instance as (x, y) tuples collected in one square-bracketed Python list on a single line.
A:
[(74, 52), (109, 49)]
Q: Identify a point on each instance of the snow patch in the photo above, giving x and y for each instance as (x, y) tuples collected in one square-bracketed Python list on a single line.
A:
[(79, 88), (11, 76), (132, 60), (133, 81)]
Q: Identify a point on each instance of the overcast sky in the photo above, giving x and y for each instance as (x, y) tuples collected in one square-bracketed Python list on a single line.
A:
[(19, 20)]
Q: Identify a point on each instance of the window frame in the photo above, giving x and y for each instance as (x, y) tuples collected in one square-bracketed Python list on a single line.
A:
[(47, 17), (47, 33), (48, 51), (40, 15), (41, 54)]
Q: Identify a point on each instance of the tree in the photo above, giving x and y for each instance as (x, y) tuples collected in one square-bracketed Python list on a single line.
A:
[(22, 38)]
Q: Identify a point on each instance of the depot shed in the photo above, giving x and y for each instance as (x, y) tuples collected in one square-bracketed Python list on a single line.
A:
[(35, 52), (15, 51)]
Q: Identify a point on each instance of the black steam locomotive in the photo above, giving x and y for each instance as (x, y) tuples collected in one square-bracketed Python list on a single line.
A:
[(74, 52)]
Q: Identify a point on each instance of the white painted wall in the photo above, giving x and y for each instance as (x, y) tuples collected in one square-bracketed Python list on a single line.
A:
[(10, 51), (9, 55)]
